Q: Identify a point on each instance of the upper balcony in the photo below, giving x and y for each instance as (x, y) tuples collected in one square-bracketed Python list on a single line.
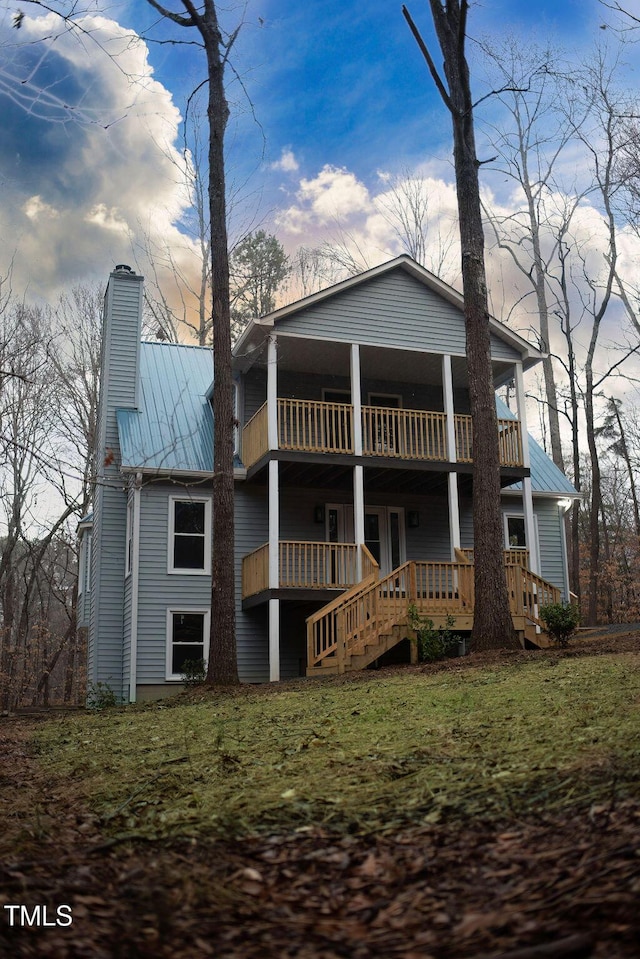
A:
[(310, 426)]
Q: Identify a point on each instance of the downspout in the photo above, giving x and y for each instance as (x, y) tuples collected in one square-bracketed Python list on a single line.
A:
[(135, 577)]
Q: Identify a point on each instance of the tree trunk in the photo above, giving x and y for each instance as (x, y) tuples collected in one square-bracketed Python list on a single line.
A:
[(222, 650), (492, 624)]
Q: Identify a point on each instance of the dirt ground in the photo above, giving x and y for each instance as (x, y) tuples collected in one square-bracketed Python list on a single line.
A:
[(553, 887)]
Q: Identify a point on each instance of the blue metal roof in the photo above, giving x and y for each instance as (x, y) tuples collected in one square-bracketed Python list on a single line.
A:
[(173, 428)]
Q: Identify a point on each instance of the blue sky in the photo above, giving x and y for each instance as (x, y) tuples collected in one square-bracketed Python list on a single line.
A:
[(330, 98)]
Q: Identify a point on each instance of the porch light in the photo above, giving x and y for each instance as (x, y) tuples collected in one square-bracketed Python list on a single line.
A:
[(413, 519), (318, 514)]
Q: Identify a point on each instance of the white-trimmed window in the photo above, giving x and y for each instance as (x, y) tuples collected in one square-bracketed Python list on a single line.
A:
[(187, 639), (515, 533), (189, 535)]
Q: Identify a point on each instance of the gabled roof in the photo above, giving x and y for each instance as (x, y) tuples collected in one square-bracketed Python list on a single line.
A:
[(173, 429), (258, 329)]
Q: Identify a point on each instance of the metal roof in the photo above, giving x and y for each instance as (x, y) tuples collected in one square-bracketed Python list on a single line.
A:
[(172, 431)]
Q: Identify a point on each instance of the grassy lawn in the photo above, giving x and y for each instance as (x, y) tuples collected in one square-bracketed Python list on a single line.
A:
[(368, 755)]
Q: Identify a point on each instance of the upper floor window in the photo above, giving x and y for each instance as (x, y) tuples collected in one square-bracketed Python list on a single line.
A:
[(189, 535)]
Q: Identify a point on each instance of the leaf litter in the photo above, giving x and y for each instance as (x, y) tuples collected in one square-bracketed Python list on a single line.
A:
[(452, 812)]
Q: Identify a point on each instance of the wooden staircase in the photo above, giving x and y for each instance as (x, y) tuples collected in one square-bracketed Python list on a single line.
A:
[(370, 618)]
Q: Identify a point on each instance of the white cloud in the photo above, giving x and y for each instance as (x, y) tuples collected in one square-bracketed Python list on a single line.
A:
[(100, 171), (287, 162), (36, 208)]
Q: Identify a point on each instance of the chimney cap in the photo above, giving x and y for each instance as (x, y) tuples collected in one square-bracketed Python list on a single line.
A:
[(122, 268)]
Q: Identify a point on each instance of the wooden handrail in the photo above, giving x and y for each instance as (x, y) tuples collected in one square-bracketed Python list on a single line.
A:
[(357, 618)]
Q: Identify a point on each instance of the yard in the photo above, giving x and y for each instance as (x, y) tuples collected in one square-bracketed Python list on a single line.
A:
[(470, 809)]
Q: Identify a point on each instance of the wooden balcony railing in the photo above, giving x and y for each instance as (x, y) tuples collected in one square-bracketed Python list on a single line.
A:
[(255, 441), (509, 439), (312, 427), (306, 565), (406, 434)]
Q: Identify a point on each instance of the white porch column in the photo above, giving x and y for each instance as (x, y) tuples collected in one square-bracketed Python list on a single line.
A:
[(452, 478), (358, 471), (356, 399), (447, 393), (274, 571), (527, 493), (274, 508), (358, 514), (454, 515), (274, 640), (272, 392)]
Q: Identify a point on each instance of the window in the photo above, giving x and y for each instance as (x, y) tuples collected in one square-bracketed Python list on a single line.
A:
[(189, 535), (516, 535), (187, 639)]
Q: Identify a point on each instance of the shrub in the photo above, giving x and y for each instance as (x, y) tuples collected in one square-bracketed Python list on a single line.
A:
[(433, 643), (561, 621), (193, 672), (101, 696)]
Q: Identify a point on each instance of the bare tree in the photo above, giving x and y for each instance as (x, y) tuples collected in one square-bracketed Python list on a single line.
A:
[(406, 206), (493, 626), (529, 145)]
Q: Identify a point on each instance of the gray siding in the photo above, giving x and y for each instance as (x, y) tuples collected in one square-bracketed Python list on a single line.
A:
[(123, 310), (552, 556), (159, 590), (393, 310), (251, 531), (254, 393)]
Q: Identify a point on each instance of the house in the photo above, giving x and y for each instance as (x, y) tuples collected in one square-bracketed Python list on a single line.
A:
[(353, 485)]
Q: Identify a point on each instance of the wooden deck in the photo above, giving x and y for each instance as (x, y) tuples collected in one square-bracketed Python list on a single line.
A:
[(309, 426), (371, 617)]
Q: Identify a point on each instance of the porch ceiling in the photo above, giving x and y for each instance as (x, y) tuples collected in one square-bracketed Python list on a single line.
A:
[(301, 355), (429, 480)]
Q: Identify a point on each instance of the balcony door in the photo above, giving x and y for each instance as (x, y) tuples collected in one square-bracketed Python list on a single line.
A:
[(383, 532)]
